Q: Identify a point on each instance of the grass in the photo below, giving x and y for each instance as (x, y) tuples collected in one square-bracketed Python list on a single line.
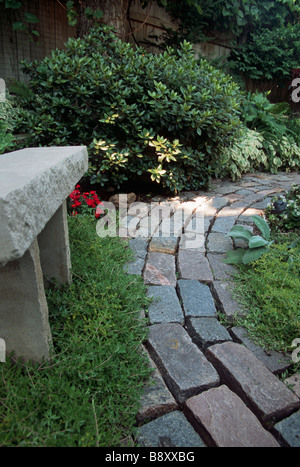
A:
[(269, 292), (88, 394)]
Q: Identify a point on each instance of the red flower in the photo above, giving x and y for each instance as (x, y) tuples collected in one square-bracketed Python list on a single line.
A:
[(86, 199)]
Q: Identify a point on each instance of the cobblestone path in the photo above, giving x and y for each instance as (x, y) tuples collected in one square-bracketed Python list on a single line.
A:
[(212, 386)]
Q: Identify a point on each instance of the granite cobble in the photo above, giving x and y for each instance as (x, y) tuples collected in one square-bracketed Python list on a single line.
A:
[(260, 389), (194, 265), (184, 367), (225, 421), (165, 307), (169, 431), (207, 331), (160, 269), (211, 385), (196, 298), (277, 362)]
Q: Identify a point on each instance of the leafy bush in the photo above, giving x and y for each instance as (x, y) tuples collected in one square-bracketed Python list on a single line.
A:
[(245, 155), (166, 117), (200, 18), (270, 53), (280, 137), (283, 213), (7, 124)]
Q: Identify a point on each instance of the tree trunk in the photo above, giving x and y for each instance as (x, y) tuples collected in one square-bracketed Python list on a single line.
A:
[(115, 14)]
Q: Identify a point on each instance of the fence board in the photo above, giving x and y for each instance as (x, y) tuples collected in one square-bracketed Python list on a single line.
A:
[(53, 28)]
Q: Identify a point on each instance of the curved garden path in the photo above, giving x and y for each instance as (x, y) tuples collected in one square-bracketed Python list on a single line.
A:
[(212, 385)]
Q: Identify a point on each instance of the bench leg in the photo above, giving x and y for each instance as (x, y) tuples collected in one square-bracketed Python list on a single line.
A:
[(54, 248), (24, 321)]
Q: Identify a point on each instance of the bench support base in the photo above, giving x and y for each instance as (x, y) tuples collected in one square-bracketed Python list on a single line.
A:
[(24, 323)]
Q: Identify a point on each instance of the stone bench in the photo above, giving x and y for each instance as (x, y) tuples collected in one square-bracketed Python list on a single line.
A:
[(34, 242)]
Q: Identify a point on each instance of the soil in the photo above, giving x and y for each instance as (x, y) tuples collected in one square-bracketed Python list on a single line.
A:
[(144, 191)]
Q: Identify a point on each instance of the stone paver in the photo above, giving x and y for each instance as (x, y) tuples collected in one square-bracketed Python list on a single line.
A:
[(194, 265), (207, 331), (215, 379), (275, 361), (139, 247), (165, 307), (293, 382), (223, 224), (170, 430), (167, 245), (184, 367), (160, 269), (218, 243), (289, 430), (238, 367), (156, 398), (222, 292), (220, 271), (196, 298), (192, 241), (225, 421)]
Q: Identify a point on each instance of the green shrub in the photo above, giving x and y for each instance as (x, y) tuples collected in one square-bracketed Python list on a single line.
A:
[(7, 125), (245, 155), (13, 119), (280, 139), (270, 54), (283, 213), (167, 117)]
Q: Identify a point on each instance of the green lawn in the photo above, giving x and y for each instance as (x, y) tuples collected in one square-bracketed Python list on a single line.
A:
[(269, 291), (88, 395)]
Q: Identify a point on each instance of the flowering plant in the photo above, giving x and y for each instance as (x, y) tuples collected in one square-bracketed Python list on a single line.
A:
[(87, 202)]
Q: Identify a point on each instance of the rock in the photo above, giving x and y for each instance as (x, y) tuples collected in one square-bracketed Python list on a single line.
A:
[(293, 382), (207, 331), (218, 243), (194, 265), (288, 430), (167, 245), (196, 299), (225, 421), (275, 361), (221, 271), (165, 307), (184, 367), (125, 199), (170, 430), (160, 269), (139, 247), (156, 399), (222, 292), (267, 396)]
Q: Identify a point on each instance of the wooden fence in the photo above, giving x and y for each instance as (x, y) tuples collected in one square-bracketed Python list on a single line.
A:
[(54, 31), (15, 46)]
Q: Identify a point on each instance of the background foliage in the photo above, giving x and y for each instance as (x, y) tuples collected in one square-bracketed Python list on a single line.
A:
[(269, 54)]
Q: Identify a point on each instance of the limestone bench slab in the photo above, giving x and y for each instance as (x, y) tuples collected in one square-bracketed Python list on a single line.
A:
[(34, 186)]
